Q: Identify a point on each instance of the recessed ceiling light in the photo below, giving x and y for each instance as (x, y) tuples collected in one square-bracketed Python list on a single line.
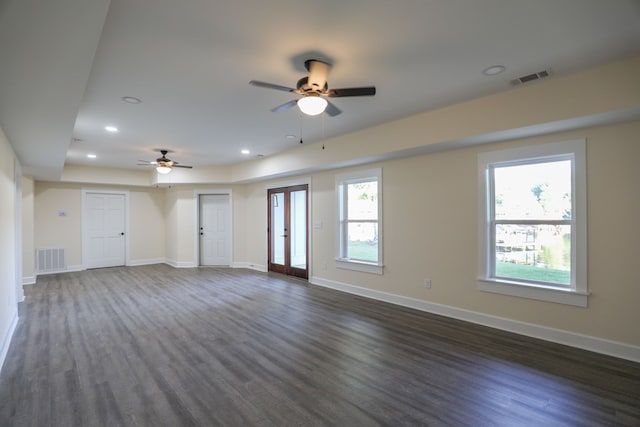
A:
[(131, 99), (291, 136), (493, 70), (91, 156), (111, 129), (245, 151)]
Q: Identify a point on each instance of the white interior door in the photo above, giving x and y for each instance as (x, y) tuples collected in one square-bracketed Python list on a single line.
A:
[(105, 230), (215, 229)]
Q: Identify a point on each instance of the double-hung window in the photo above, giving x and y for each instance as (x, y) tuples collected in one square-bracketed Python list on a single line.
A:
[(533, 222), (360, 221)]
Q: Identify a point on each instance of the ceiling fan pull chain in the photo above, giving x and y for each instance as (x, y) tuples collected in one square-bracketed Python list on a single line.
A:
[(324, 135), (300, 122)]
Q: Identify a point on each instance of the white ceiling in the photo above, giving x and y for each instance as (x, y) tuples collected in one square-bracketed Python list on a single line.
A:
[(65, 66)]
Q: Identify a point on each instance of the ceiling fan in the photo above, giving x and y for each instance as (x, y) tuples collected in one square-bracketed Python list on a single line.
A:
[(314, 89), (163, 164)]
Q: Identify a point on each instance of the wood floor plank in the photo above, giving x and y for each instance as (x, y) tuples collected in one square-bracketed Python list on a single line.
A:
[(155, 346)]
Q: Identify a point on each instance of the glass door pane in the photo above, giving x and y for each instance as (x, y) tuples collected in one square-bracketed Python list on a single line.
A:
[(288, 231), (298, 228), (278, 228)]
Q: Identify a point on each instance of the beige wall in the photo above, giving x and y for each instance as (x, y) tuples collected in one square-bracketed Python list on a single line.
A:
[(181, 227), (8, 296), (53, 230), (146, 220), (28, 264), (92, 175), (147, 229), (431, 230), (250, 220), (171, 229)]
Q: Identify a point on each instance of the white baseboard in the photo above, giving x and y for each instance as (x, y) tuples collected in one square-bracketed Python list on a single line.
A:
[(585, 342), (138, 262), (180, 264), (250, 266), (187, 264), (30, 280), (69, 269), (6, 341)]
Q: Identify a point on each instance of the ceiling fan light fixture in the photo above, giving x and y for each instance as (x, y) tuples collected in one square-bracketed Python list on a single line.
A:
[(312, 105), (163, 170)]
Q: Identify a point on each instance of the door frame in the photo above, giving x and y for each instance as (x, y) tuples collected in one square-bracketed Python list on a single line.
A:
[(213, 192), (85, 233), (17, 178), (283, 184)]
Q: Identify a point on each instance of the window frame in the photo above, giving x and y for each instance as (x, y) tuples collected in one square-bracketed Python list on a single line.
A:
[(576, 292), (341, 260)]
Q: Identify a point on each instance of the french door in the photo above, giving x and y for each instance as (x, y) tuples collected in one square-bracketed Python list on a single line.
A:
[(288, 230)]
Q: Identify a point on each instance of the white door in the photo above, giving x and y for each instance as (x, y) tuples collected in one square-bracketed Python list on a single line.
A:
[(215, 229), (105, 230)]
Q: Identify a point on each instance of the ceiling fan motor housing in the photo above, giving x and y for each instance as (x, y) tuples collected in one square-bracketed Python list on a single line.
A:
[(304, 87), (318, 74)]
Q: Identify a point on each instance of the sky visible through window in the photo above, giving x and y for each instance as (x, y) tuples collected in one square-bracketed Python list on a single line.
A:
[(533, 191)]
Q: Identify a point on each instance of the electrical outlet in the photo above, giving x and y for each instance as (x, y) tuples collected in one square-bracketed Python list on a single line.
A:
[(427, 283)]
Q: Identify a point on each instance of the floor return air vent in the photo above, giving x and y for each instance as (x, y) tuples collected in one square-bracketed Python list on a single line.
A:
[(50, 260)]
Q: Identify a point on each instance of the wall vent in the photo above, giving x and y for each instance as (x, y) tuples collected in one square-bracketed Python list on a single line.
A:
[(50, 260), (531, 77)]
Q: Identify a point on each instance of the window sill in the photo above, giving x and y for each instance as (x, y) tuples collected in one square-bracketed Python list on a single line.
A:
[(537, 292), (364, 267)]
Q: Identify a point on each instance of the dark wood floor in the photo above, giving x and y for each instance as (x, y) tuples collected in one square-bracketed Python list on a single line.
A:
[(157, 346)]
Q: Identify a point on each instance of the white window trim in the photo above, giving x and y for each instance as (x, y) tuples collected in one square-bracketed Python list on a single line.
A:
[(346, 263), (576, 294)]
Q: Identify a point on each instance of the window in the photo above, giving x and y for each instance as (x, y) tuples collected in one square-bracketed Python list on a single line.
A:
[(359, 229), (533, 222)]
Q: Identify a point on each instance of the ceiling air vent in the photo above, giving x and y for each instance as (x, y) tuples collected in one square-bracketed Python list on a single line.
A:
[(531, 77)]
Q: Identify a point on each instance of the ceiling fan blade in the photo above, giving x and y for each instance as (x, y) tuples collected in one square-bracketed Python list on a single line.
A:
[(270, 86), (182, 166), (318, 73), (332, 110), (284, 106), (352, 91), (145, 164)]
